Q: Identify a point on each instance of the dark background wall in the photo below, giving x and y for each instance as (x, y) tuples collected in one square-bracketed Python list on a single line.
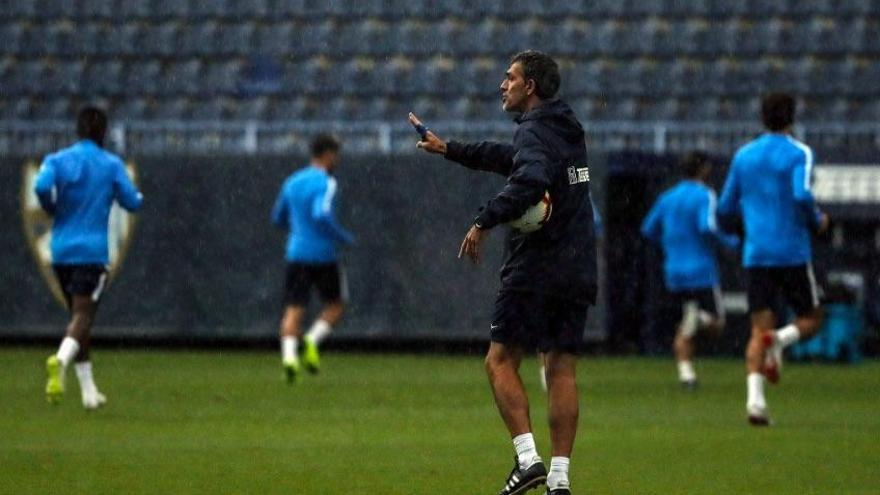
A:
[(205, 262)]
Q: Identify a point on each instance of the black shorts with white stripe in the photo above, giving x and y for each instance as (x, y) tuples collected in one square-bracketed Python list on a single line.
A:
[(708, 300), (793, 286), (81, 280)]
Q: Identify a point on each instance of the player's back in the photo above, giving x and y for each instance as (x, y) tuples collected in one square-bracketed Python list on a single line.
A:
[(689, 260), (84, 179), (309, 193), (776, 224)]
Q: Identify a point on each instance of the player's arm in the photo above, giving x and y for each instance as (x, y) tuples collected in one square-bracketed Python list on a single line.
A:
[(802, 187), (709, 222), (324, 212), (525, 186), (488, 156), (728, 205), (127, 194), (44, 187), (280, 211), (652, 225)]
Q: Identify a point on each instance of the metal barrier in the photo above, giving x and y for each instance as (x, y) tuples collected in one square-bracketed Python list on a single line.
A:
[(25, 138)]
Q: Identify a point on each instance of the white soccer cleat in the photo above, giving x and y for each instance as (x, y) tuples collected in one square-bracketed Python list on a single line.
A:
[(93, 399), (758, 416)]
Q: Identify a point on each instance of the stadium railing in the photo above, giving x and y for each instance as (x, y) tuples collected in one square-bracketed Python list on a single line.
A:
[(33, 138)]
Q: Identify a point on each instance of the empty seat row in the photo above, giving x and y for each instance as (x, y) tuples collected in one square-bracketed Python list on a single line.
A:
[(395, 9), (298, 108), (574, 36)]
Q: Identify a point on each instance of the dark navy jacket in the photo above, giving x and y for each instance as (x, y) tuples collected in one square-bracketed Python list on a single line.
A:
[(548, 154)]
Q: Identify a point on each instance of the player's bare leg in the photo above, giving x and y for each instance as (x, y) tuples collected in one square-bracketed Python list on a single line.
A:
[(502, 367), (290, 324), (321, 328), (756, 404), (563, 414), (74, 346), (803, 328)]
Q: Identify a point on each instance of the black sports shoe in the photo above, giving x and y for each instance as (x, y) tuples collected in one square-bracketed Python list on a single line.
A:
[(559, 491), (523, 480)]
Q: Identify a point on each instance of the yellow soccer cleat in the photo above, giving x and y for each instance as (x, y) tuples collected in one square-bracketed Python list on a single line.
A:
[(291, 372), (54, 379), (311, 358)]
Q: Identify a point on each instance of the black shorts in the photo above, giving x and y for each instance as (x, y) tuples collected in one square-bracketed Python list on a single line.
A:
[(708, 300), (328, 278), (81, 280), (531, 320), (794, 286)]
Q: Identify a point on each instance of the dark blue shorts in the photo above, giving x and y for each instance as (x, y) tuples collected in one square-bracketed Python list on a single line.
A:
[(530, 320)]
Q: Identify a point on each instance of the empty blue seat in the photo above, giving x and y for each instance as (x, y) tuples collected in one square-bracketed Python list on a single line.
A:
[(55, 8), (11, 37), (181, 78), (128, 109), (175, 10), (102, 79), (274, 39), (235, 39)]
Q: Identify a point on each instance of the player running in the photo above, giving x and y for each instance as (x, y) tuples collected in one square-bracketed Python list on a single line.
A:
[(548, 279), (683, 222), (769, 186), (306, 209), (78, 186)]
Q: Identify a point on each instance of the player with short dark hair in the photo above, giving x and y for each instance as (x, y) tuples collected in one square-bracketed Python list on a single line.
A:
[(306, 209), (78, 186), (770, 186), (548, 280), (683, 222)]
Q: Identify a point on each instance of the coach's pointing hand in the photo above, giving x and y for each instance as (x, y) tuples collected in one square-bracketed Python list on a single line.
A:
[(430, 142), (470, 246)]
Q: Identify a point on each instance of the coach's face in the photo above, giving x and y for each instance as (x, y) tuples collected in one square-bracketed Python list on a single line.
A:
[(515, 90)]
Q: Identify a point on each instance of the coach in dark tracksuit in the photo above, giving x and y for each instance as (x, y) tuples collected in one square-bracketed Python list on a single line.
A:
[(549, 276)]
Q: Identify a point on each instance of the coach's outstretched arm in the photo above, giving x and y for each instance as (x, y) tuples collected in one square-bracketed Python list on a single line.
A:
[(488, 156)]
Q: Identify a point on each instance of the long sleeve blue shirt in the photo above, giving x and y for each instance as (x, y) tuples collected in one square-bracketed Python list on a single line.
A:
[(769, 185), (683, 221), (306, 208), (78, 186)]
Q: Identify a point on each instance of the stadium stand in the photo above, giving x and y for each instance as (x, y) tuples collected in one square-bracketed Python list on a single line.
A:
[(282, 60)]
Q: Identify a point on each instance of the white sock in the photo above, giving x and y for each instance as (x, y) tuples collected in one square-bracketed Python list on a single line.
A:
[(558, 475), (788, 335), (67, 350), (526, 452), (319, 331), (288, 349), (686, 371), (84, 374), (755, 382)]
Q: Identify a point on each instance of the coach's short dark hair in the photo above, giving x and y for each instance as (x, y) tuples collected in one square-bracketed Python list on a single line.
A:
[(324, 143), (777, 111), (542, 69), (693, 162), (91, 123)]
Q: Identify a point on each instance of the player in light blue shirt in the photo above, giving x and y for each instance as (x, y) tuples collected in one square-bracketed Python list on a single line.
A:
[(769, 186), (684, 223), (78, 186), (306, 208)]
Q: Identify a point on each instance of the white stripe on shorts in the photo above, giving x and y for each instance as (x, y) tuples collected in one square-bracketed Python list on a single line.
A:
[(814, 288), (96, 294)]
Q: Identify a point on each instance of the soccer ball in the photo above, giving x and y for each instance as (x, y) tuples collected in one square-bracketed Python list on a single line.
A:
[(535, 217)]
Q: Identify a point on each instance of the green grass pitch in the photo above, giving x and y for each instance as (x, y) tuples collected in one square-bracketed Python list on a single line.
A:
[(216, 423)]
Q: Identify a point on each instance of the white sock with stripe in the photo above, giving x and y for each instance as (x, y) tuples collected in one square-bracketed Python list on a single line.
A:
[(558, 475), (319, 331), (84, 375), (68, 349), (526, 452), (788, 335), (288, 349)]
